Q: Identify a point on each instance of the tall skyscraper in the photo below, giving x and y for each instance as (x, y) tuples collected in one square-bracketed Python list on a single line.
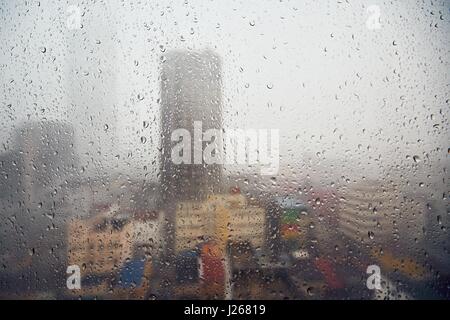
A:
[(191, 92)]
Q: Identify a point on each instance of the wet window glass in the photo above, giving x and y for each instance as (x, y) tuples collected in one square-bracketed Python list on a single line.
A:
[(224, 149)]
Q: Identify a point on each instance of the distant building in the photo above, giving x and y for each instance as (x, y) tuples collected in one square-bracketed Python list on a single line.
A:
[(221, 218), (10, 176), (49, 161), (11, 205), (191, 90), (368, 214), (48, 165), (115, 250), (101, 243)]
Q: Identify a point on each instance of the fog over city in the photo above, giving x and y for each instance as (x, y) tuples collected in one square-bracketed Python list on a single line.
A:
[(333, 85), (358, 91)]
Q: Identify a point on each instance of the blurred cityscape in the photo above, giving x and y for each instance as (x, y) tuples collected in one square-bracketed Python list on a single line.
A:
[(200, 233)]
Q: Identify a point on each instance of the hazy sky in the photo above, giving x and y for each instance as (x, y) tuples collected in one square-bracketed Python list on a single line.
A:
[(337, 90)]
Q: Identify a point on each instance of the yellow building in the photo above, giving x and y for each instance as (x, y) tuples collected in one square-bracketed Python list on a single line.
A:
[(220, 218), (100, 244)]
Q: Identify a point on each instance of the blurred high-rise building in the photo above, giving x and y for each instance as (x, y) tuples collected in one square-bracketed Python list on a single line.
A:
[(48, 166), (191, 91)]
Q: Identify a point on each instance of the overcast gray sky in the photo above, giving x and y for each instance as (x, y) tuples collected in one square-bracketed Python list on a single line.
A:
[(338, 91)]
